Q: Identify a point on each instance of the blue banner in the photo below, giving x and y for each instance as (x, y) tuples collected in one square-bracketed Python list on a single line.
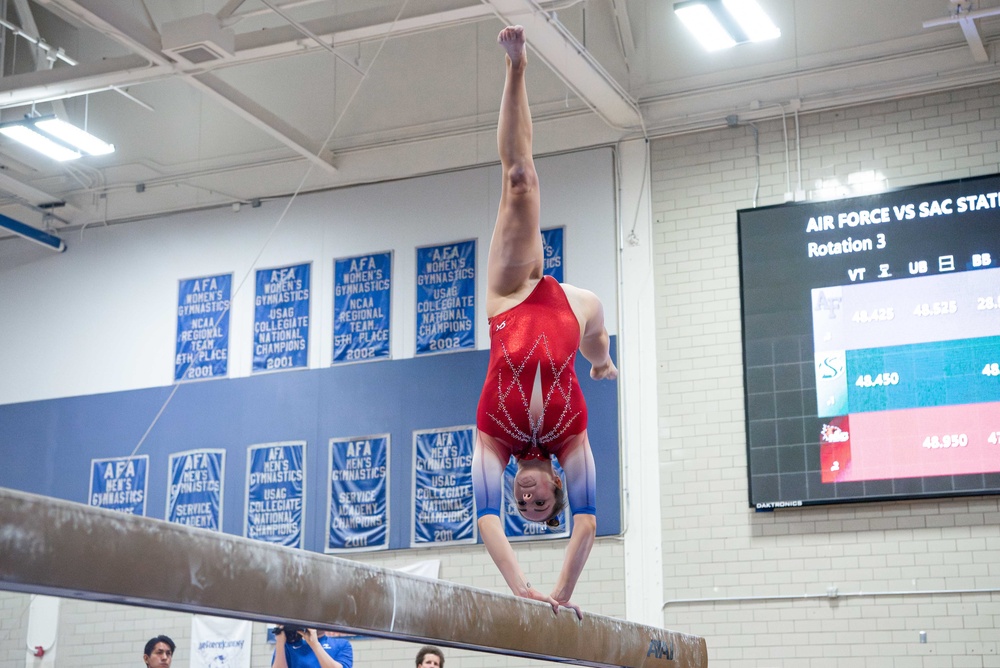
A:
[(194, 488), (361, 307), (358, 494), (276, 493), (552, 248), (443, 504), (446, 297), (518, 528), (281, 318), (203, 327), (120, 483)]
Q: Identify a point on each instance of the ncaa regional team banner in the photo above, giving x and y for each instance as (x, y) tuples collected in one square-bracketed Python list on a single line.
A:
[(361, 292), (202, 327), (518, 528), (552, 247), (357, 495), (281, 318), (194, 488), (276, 493), (119, 483), (218, 642), (446, 297), (443, 505)]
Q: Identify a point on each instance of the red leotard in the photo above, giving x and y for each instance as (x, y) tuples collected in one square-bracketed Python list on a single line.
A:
[(531, 396)]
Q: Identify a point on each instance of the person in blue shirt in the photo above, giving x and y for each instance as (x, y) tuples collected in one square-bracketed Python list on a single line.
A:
[(309, 649)]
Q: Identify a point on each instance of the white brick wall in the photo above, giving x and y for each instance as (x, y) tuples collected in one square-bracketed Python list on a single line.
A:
[(758, 567)]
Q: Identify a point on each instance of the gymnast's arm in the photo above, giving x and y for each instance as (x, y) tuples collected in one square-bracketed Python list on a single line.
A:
[(577, 461), (595, 344), (487, 483)]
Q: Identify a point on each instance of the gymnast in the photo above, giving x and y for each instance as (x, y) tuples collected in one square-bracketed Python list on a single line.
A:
[(531, 406)]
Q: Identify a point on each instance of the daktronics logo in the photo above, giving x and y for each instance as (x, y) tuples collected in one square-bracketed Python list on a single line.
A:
[(830, 367), (833, 434)]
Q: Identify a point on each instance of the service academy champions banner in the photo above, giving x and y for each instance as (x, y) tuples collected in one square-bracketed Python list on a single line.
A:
[(358, 496), (194, 488), (119, 483), (446, 297), (281, 318), (203, 327), (443, 504), (552, 246), (361, 307), (276, 493)]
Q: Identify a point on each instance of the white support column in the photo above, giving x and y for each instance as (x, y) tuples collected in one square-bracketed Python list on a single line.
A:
[(637, 357)]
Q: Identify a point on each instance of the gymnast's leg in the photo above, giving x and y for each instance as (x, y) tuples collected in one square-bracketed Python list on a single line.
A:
[(515, 259)]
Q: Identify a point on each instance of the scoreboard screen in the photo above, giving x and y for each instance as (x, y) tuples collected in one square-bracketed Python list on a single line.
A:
[(871, 340)]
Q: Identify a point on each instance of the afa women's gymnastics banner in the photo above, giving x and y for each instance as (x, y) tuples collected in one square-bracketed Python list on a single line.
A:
[(443, 503), (120, 483), (194, 488), (203, 327), (362, 288), (518, 528), (358, 494), (281, 318), (276, 493), (446, 297), (552, 247)]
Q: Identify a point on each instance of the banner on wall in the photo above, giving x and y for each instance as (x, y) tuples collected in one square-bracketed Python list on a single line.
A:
[(203, 327), (194, 488), (446, 297), (120, 483), (220, 642), (552, 248), (281, 318), (361, 307), (358, 494), (518, 528), (276, 493), (443, 503)]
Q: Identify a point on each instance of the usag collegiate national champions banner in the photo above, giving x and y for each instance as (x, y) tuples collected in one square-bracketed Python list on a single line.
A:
[(281, 318), (203, 327), (443, 504), (357, 494), (552, 247), (120, 483), (276, 493), (194, 488), (361, 307), (446, 297)]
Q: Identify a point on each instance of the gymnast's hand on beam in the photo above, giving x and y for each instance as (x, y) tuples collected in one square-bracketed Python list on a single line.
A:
[(536, 595), (568, 604)]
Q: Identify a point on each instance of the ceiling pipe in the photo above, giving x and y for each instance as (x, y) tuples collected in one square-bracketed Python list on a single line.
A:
[(33, 234)]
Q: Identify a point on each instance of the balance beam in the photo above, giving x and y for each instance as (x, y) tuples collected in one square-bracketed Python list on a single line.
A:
[(55, 547)]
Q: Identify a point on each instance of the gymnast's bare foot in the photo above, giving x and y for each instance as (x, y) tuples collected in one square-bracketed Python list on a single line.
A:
[(511, 39)]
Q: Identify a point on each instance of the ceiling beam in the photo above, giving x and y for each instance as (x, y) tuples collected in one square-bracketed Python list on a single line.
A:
[(571, 62)]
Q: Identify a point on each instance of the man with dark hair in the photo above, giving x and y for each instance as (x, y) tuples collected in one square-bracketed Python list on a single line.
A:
[(301, 647), (159, 652), (430, 656)]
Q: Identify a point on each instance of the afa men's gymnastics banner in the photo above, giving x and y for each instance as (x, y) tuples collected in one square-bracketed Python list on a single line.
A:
[(552, 247), (281, 318), (203, 327), (276, 493), (358, 494), (443, 503), (518, 528), (446, 297), (194, 488), (120, 483), (361, 307)]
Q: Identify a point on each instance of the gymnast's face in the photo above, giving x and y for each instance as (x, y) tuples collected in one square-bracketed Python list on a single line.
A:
[(534, 490)]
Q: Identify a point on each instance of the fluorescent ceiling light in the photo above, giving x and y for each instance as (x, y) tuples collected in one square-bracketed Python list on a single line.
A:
[(720, 24), (57, 139)]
